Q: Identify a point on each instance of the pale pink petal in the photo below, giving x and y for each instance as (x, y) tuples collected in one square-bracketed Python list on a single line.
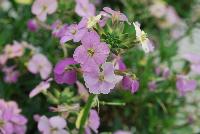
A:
[(90, 39), (108, 10), (42, 16), (57, 122), (79, 35), (80, 54), (41, 87), (52, 6), (44, 125), (37, 7), (101, 53), (32, 67), (65, 39)]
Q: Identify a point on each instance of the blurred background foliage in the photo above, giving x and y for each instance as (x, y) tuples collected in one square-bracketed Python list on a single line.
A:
[(145, 112)]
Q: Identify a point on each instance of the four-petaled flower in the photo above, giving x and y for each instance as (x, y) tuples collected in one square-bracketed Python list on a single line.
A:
[(62, 72), (101, 80), (84, 8), (92, 52), (43, 7), (40, 64), (53, 125), (74, 32)]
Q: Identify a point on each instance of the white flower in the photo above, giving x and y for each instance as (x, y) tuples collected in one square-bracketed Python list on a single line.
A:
[(142, 38)]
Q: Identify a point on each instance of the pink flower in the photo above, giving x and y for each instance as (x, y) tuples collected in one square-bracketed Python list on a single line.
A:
[(119, 63), (82, 91), (32, 25), (101, 81), (152, 85), (53, 125), (84, 8), (63, 74), (131, 84), (11, 75), (92, 52), (184, 85), (11, 121), (43, 86), (74, 32), (93, 122), (43, 7), (58, 29), (115, 15), (40, 64), (15, 50), (3, 59)]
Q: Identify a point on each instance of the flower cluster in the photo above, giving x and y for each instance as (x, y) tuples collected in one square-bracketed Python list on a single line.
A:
[(11, 121), (95, 50)]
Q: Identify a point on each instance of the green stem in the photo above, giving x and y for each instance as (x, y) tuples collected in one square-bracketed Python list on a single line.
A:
[(113, 103), (86, 111)]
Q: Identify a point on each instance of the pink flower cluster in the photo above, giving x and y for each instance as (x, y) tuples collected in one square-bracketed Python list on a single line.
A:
[(11, 121), (13, 51), (53, 125), (92, 54)]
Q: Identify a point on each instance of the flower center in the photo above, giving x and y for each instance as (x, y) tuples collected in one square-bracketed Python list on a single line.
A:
[(143, 37), (1, 123), (44, 7), (73, 31), (90, 52), (101, 77), (53, 130)]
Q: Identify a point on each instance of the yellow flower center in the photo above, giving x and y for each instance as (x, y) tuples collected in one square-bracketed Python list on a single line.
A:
[(90, 52), (73, 31), (44, 7), (101, 77), (1, 123)]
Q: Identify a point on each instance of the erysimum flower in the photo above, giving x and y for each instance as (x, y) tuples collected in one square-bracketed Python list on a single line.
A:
[(101, 81), (62, 72), (93, 122), (84, 8), (53, 125), (92, 52), (58, 29), (43, 86), (184, 85), (142, 38), (115, 15), (74, 32), (11, 121), (43, 7), (15, 50), (194, 59), (40, 64), (11, 75), (131, 84)]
